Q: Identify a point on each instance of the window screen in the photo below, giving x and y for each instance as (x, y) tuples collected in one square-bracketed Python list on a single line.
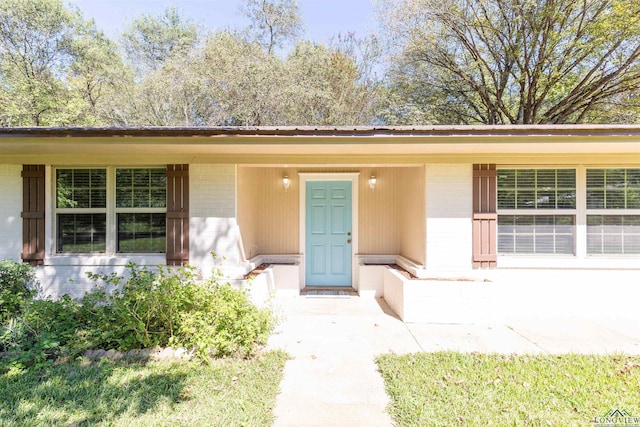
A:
[(536, 234), (82, 233), (141, 188), (613, 188), (141, 232), (536, 189), (81, 188), (613, 234), (141, 200)]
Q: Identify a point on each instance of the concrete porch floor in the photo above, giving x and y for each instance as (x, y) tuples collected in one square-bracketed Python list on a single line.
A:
[(332, 379)]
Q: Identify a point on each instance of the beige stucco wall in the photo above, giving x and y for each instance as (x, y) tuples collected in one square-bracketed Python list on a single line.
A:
[(248, 193), (278, 213), (379, 212), (412, 215), (267, 214), (269, 217)]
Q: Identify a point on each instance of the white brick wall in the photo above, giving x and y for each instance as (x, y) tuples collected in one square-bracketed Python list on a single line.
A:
[(213, 190), (10, 209), (449, 217), (213, 226), (57, 280), (68, 274)]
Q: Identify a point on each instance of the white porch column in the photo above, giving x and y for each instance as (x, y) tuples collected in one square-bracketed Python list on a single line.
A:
[(449, 195)]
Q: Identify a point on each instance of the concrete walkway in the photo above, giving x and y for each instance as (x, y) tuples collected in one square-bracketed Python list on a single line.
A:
[(332, 379)]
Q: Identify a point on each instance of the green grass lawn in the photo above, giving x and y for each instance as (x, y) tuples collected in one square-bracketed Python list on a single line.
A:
[(227, 392), (443, 389)]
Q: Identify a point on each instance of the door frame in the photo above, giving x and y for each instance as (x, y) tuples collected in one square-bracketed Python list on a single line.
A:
[(354, 178)]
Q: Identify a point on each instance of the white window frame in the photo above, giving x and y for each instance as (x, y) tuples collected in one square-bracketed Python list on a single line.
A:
[(581, 259), (541, 212), (606, 212), (111, 212)]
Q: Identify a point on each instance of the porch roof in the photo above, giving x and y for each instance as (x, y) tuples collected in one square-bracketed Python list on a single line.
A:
[(320, 145)]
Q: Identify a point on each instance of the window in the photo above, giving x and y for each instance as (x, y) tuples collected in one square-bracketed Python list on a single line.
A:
[(613, 211), (141, 230), (536, 211), (81, 202), (131, 201)]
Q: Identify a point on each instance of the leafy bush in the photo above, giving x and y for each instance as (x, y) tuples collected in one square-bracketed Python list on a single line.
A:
[(167, 307), (224, 322), (18, 286), (44, 331)]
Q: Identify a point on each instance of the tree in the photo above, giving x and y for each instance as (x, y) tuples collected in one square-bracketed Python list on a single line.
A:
[(273, 22), (163, 52), (35, 37), (314, 85), (152, 40), (174, 95), (55, 68), (513, 61), (244, 82), (97, 75), (328, 86)]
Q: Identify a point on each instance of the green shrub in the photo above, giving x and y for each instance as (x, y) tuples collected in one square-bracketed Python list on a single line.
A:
[(18, 286), (144, 308), (169, 307), (41, 333), (223, 322), (166, 307)]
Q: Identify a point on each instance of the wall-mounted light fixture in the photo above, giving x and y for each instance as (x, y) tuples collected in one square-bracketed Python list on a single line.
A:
[(286, 182), (372, 182)]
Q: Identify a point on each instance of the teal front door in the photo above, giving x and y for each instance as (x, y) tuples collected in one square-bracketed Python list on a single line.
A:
[(328, 233)]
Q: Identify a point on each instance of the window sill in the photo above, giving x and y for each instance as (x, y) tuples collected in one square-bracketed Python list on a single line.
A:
[(100, 260)]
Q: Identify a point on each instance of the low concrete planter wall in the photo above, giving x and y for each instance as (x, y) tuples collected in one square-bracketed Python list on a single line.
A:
[(509, 295), (371, 280), (260, 287), (438, 301), (276, 277), (286, 278)]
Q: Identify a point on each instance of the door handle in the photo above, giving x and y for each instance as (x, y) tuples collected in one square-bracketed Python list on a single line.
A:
[(349, 233), (349, 241)]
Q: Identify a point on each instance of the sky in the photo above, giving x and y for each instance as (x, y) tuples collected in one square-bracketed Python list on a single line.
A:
[(323, 19)]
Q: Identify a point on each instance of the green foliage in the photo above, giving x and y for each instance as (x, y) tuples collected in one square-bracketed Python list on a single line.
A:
[(223, 322), (57, 69), (273, 22), (42, 332), (169, 307), (18, 286), (166, 307), (513, 62), (150, 41), (34, 37), (313, 85)]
